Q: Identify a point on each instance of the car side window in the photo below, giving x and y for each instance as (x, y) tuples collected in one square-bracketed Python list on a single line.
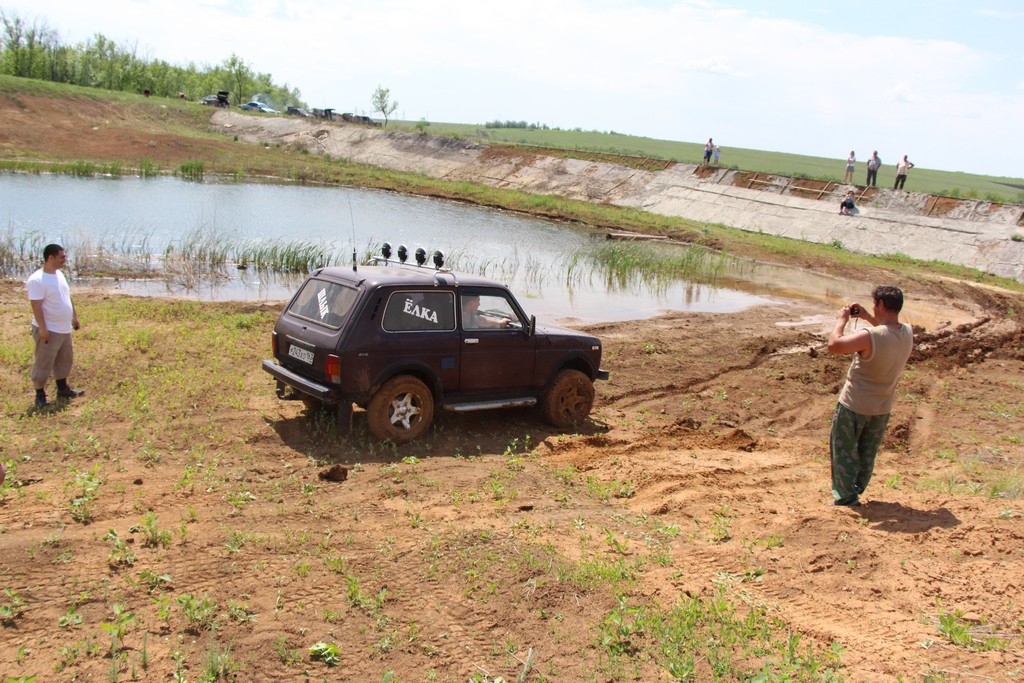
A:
[(324, 302), (420, 311), (483, 311)]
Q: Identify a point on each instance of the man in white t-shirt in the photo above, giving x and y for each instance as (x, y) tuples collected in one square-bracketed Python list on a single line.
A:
[(53, 319)]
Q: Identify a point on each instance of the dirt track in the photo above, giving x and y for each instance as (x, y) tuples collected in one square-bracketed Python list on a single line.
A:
[(705, 467)]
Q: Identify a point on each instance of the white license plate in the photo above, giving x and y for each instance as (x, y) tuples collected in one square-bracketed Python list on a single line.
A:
[(301, 353)]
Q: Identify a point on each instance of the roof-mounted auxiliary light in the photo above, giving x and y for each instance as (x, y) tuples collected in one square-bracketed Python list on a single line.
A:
[(421, 256)]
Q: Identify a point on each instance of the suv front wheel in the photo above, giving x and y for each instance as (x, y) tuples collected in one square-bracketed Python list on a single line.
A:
[(401, 410), (568, 400)]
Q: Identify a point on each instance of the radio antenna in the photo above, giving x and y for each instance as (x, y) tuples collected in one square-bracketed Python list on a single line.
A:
[(352, 224)]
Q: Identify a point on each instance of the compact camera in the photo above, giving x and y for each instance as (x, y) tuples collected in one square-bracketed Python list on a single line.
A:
[(855, 310)]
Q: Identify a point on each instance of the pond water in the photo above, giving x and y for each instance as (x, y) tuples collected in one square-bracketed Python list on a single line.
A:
[(145, 215)]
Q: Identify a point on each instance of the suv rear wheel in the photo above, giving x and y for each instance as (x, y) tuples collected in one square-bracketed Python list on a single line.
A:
[(401, 410), (569, 399)]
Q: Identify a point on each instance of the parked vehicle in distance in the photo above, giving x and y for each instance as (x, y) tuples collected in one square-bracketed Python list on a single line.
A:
[(258, 106), (399, 340), (297, 111), (218, 100), (359, 118)]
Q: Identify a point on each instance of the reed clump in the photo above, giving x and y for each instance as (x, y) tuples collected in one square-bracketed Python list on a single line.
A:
[(21, 254), (285, 256), (191, 170), (626, 266)]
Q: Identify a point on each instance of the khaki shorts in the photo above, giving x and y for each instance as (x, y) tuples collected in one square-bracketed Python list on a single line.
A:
[(53, 357)]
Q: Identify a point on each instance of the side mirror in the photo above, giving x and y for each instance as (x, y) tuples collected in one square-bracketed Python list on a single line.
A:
[(531, 329)]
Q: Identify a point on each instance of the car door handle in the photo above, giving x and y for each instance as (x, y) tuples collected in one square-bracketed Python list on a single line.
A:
[(472, 340)]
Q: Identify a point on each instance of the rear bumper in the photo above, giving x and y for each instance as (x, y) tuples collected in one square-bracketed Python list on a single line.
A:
[(284, 376)]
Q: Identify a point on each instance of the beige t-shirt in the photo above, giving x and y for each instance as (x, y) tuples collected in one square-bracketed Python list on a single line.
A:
[(871, 381)]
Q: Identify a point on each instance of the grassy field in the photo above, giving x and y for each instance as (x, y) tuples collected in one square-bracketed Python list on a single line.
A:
[(921, 179)]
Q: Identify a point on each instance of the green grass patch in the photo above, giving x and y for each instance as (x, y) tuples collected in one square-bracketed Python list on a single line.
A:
[(710, 638)]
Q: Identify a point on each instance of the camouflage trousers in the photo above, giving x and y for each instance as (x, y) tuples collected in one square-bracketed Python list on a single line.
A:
[(854, 443)]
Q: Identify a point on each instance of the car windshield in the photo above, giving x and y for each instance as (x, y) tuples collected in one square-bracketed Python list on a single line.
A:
[(327, 303)]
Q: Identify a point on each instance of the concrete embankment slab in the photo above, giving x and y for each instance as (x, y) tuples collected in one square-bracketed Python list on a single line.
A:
[(970, 233)]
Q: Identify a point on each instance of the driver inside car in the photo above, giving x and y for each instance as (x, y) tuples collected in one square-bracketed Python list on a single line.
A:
[(473, 319)]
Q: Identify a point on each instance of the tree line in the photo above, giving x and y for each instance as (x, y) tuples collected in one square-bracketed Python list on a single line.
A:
[(31, 49), (517, 124)]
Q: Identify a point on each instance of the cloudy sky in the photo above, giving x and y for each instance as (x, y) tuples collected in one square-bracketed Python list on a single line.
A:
[(939, 80)]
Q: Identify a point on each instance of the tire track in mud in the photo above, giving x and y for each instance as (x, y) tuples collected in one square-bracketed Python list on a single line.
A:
[(645, 394)]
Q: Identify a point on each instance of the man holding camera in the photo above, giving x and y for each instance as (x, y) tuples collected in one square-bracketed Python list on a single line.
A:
[(880, 352)]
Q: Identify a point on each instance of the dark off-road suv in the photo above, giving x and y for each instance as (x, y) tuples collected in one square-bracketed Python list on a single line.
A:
[(401, 340)]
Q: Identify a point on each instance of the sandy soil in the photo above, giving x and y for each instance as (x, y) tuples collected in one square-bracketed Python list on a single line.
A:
[(705, 467)]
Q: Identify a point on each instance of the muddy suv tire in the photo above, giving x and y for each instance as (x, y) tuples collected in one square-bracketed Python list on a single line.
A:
[(401, 410), (568, 400)]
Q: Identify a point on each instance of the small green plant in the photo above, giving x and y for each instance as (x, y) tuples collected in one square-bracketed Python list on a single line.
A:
[(155, 581), (771, 541), (721, 525), (355, 593), (286, 656), (12, 608), (337, 565), (121, 555), (163, 609), (239, 612), (237, 499), (85, 486), (152, 536), (180, 669), (621, 547), (324, 652), (959, 632), (70, 618), (118, 628), (218, 663), (199, 612)]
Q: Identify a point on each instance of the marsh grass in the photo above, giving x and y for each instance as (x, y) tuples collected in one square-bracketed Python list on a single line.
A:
[(200, 255), (625, 266), (286, 256), (80, 168), (22, 253)]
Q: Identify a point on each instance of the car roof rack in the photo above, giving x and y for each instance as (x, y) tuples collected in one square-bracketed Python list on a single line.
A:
[(420, 255)]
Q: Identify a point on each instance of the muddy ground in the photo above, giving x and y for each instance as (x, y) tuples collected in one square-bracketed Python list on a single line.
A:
[(704, 471)]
